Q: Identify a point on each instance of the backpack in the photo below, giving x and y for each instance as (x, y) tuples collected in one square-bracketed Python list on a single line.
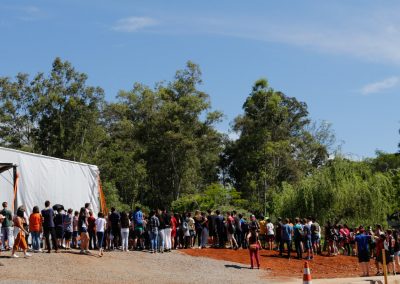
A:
[(185, 225)]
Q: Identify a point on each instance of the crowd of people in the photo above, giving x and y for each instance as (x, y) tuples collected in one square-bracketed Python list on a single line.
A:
[(54, 228)]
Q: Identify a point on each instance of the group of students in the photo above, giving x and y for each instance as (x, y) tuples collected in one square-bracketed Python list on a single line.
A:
[(162, 231)]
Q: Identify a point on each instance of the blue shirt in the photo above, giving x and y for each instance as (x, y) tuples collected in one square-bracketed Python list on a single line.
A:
[(138, 217), (287, 232), (362, 242)]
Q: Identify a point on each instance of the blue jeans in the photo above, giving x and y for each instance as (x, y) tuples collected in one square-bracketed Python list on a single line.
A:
[(100, 237), (154, 240), (35, 240)]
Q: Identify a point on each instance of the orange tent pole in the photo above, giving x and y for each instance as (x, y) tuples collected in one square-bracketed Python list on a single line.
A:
[(16, 177)]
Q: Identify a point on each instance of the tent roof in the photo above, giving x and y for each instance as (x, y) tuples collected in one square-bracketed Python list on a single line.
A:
[(5, 167)]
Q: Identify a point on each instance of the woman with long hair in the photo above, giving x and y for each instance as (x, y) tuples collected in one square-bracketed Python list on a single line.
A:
[(125, 230), (254, 246), (83, 230), (35, 227), (20, 242)]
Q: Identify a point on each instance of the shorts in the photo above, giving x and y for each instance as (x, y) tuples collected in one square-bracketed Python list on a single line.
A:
[(380, 259), (83, 230), (75, 234), (59, 232), (192, 233), (67, 235), (270, 238), (307, 244), (363, 256), (262, 237), (138, 231), (315, 239)]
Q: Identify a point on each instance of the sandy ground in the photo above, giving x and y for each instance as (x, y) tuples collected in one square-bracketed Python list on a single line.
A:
[(121, 267)]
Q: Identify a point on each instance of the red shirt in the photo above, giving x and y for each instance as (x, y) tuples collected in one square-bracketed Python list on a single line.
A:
[(91, 223)]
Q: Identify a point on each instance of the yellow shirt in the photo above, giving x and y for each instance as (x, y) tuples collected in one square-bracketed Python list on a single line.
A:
[(262, 227)]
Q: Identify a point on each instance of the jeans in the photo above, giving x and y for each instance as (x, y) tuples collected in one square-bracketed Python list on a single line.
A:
[(167, 235), (100, 238), (288, 244), (198, 235), (154, 240), (7, 234), (35, 240), (125, 237), (204, 237), (161, 243), (92, 240)]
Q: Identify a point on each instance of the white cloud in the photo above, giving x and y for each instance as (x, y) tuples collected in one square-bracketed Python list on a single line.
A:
[(134, 24), (380, 86)]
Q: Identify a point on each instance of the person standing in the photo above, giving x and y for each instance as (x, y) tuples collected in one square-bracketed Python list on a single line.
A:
[(167, 230), (231, 231), (125, 224), (83, 229), (35, 227), (68, 228), (139, 229), (298, 234), (59, 225), (262, 235), (220, 228), (278, 233), (48, 227), (100, 225), (254, 246), (315, 235), (20, 242), (363, 253), (7, 236), (92, 231), (154, 223), (307, 239), (238, 229), (115, 227), (270, 234), (204, 232), (287, 231)]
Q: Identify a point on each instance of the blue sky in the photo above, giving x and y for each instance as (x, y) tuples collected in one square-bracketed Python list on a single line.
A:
[(341, 58)]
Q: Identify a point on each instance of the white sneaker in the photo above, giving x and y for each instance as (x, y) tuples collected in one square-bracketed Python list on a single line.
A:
[(14, 256), (27, 254)]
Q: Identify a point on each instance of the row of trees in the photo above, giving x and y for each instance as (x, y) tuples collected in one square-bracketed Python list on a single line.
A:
[(159, 146)]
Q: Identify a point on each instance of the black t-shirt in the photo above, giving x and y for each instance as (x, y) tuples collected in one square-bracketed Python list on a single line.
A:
[(48, 218), (114, 219), (162, 221), (59, 220), (167, 220), (211, 222)]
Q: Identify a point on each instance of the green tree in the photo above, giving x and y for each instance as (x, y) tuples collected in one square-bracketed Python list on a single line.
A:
[(274, 145)]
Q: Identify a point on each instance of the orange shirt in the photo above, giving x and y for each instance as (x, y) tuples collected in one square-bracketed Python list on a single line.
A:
[(35, 222)]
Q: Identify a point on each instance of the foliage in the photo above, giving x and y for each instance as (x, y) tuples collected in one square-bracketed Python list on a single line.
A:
[(342, 189), (215, 196), (274, 145)]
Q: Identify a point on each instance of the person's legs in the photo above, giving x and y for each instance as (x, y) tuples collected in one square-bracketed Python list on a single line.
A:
[(53, 238), (281, 246), (289, 247), (125, 239), (36, 240), (251, 258), (257, 255), (168, 238), (204, 237), (100, 237), (298, 249), (46, 233)]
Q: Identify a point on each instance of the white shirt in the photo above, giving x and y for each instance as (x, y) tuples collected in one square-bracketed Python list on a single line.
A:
[(270, 229), (100, 224)]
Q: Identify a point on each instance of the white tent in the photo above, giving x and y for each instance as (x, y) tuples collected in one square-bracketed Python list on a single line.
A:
[(42, 178)]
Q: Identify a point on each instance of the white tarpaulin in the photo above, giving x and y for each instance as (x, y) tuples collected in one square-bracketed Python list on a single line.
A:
[(44, 178)]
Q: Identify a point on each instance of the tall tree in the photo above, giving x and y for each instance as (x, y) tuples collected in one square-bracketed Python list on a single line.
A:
[(273, 146)]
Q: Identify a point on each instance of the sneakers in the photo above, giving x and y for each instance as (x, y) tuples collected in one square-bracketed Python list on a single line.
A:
[(14, 256), (27, 254)]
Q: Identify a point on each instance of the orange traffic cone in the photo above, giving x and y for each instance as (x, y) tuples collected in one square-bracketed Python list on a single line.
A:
[(306, 274)]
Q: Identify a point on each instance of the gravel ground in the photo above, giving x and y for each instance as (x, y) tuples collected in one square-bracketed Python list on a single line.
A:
[(120, 267)]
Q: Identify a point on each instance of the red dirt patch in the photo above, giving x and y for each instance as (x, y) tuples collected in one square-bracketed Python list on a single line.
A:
[(321, 266)]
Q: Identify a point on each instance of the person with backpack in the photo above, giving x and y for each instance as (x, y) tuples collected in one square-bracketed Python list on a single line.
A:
[(138, 228), (287, 231), (307, 239), (298, 235), (278, 233), (154, 224), (230, 224), (315, 236)]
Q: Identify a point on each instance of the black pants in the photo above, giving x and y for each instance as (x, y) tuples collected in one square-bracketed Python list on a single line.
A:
[(52, 233), (221, 239), (297, 244), (92, 240), (198, 235)]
